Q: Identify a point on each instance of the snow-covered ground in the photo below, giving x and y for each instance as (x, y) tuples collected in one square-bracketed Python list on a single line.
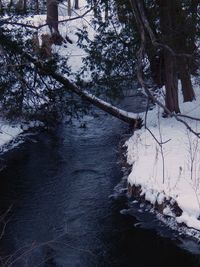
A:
[(165, 161), (8, 133), (79, 19), (13, 134)]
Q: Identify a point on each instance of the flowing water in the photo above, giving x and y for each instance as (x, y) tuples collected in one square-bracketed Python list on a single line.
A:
[(60, 214)]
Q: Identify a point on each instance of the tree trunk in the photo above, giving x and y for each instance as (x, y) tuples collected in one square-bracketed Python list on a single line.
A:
[(1, 6), (184, 75), (76, 6), (69, 9), (194, 33), (10, 5), (193, 30), (169, 60), (52, 15), (183, 44), (25, 6), (21, 6), (174, 33), (171, 83), (156, 66), (94, 3), (106, 10), (37, 8)]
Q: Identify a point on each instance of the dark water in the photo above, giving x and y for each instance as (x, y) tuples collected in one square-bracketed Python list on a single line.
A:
[(61, 215)]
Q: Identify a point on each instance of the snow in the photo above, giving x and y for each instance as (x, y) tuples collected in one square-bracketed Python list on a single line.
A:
[(13, 134), (127, 114), (72, 52), (8, 133), (170, 167)]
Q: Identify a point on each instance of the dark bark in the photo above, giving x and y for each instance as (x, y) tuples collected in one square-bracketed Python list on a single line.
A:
[(171, 83), (76, 6), (168, 48), (170, 66), (94, 4), (106, 10), (173, 21), (184, 75), (183, 43), (25, 6), (52, 21), (1, 6), (156, 66), (21, 6), (37, 9), (69, 9), (169, 72), (52, 15), (193, 25)]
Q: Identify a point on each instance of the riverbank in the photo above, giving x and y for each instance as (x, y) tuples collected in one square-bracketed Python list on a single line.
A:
[(9, 135), (62, 215), (13, 134), (165, 160)]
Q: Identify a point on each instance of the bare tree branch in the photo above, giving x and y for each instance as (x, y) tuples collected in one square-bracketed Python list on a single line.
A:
[(26, 25)]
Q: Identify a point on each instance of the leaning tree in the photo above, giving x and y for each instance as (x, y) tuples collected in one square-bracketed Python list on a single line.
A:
[(158, 37)]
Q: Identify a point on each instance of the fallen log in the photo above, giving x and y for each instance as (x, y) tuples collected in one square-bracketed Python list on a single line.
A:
[(7, 43)]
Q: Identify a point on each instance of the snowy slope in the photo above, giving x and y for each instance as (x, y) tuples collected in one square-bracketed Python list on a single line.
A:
[(8, 133), (172, 169)]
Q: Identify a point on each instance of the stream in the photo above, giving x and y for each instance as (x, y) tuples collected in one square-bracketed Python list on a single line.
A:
[(57, 193)]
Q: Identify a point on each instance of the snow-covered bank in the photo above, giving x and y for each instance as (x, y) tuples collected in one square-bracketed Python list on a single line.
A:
[(14, 134), (8, 133), (165, 161)]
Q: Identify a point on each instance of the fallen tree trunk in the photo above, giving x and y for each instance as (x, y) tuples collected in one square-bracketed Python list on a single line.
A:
[(105, 106), (125, 116)]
